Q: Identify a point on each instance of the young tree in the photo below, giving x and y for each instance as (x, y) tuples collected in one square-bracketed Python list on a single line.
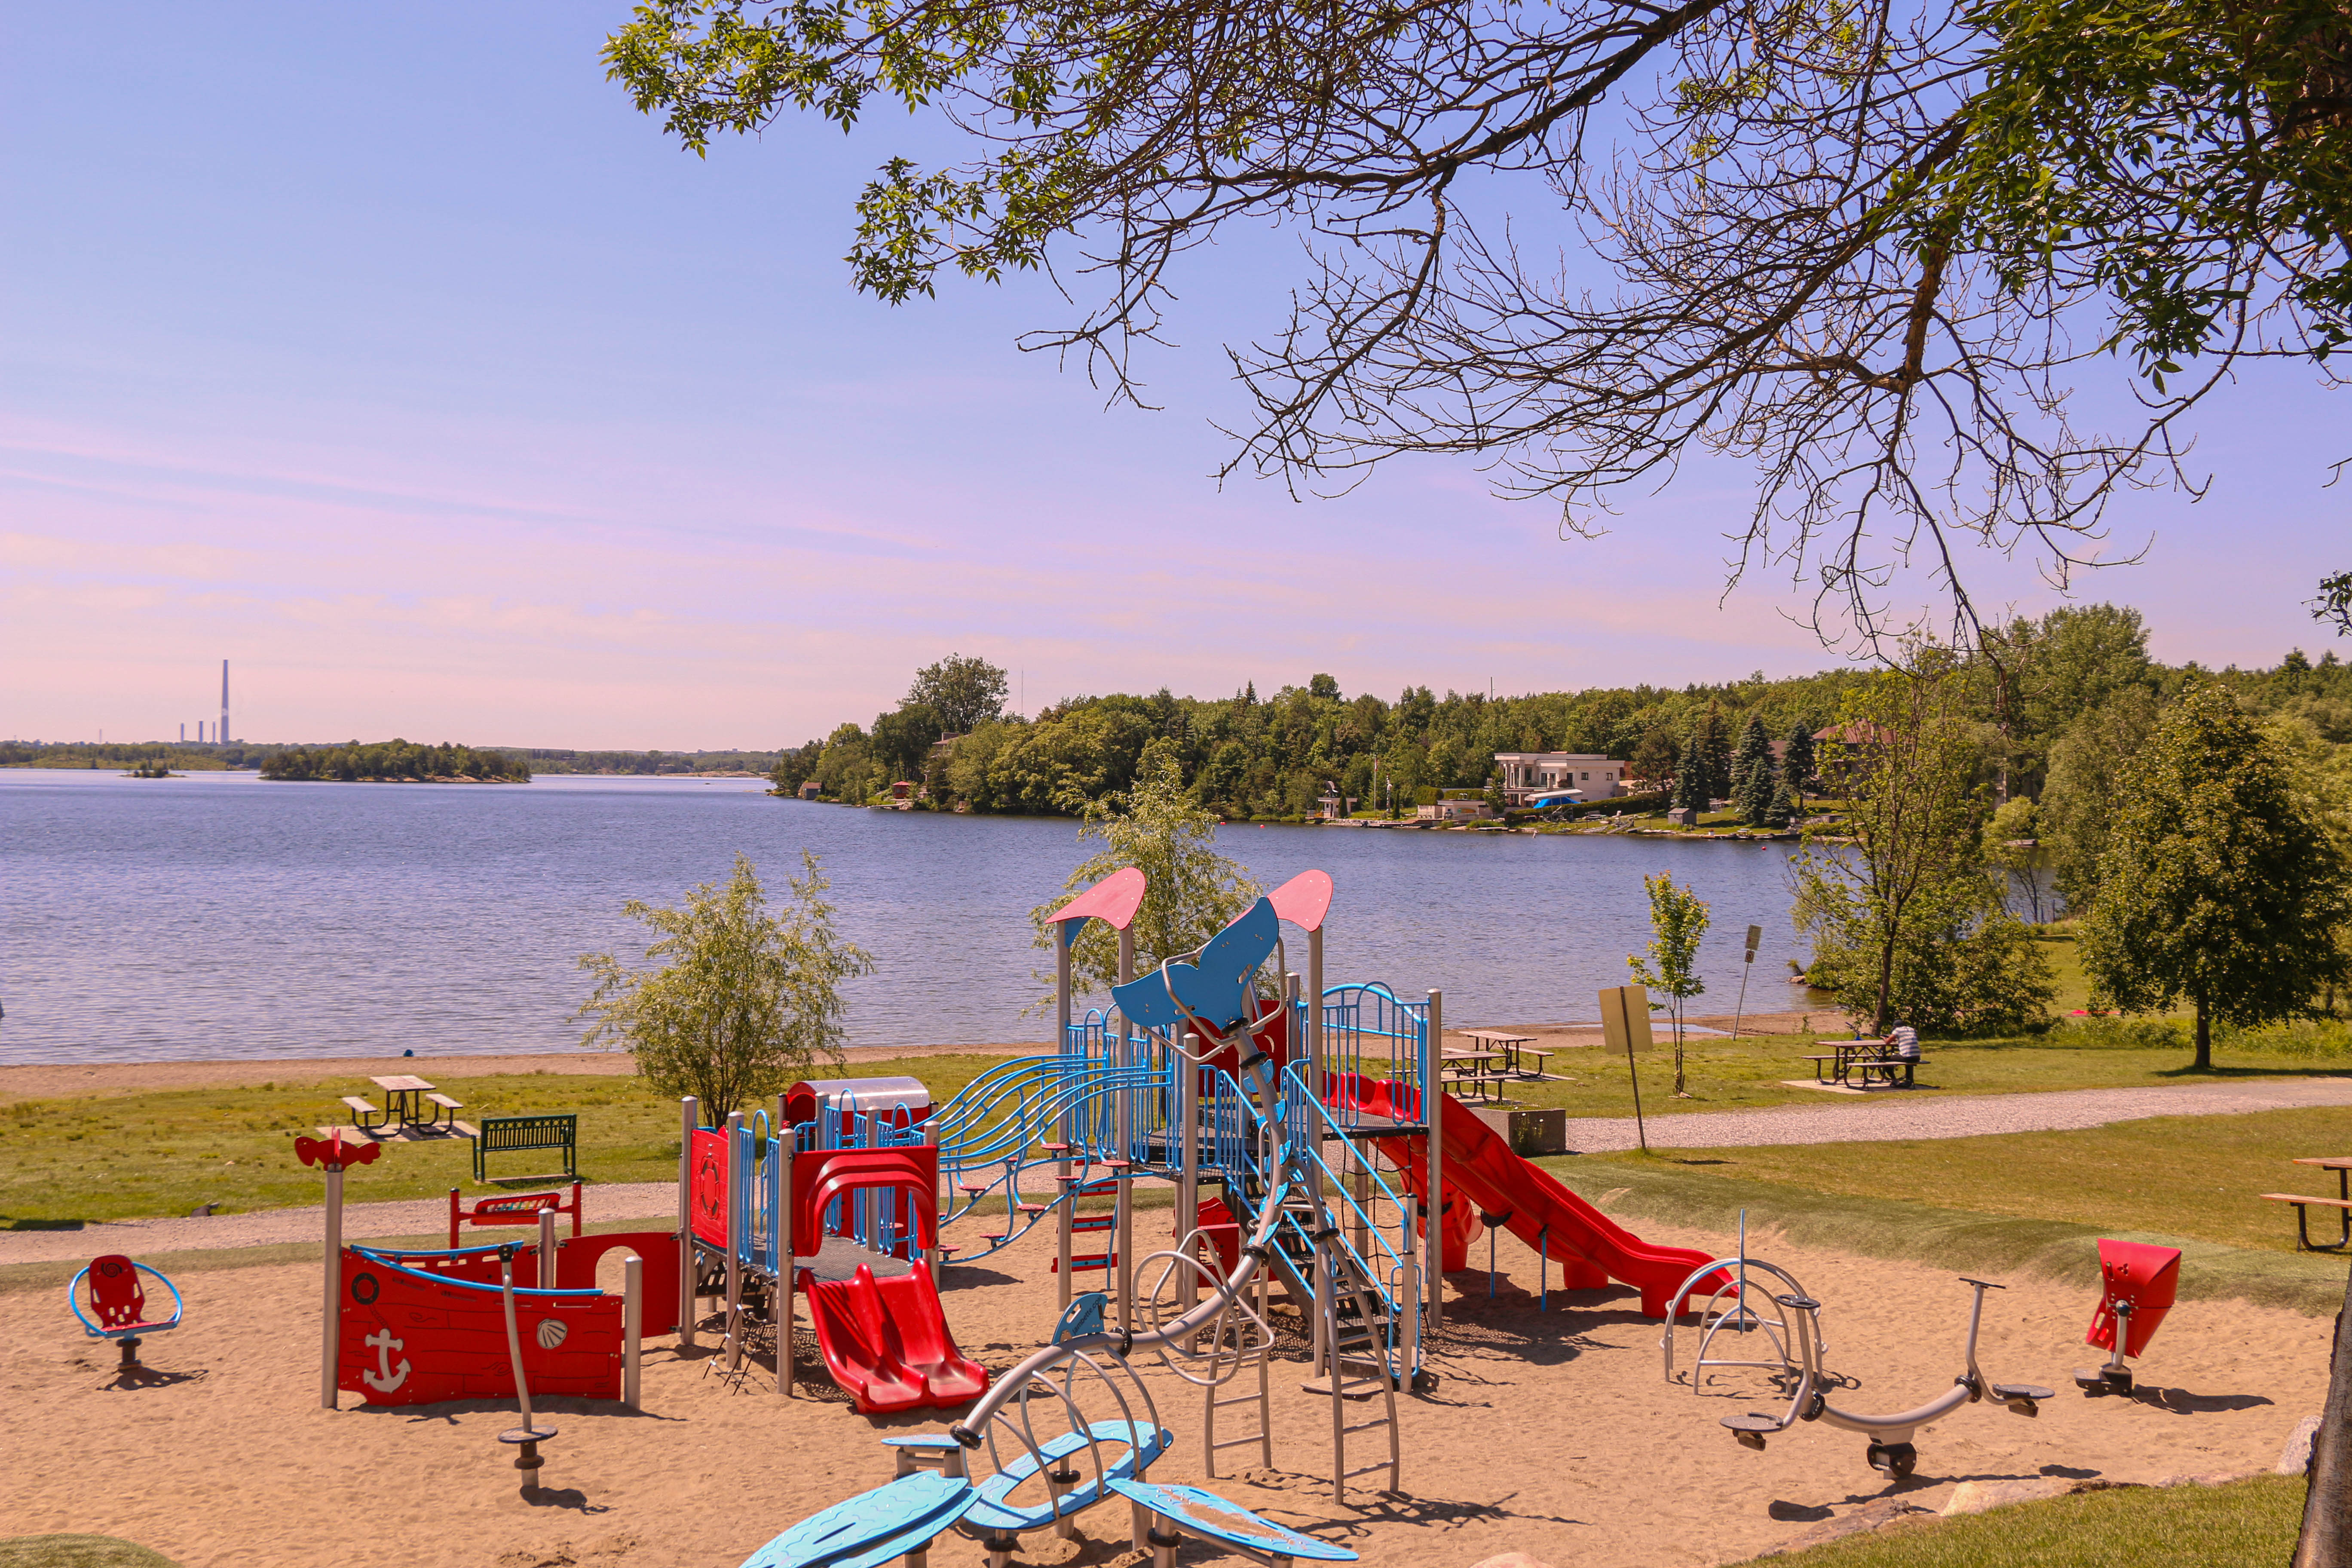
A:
[(1193, 891), (964, 692), (1678, 918), (1904, 919), (743, 1002), (2221, 884), (1753, 776)]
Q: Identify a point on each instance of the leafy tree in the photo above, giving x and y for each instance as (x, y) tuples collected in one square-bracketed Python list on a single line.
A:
[(1754, 779), (1836, 240), (1655, 759), (964, 692), (1678, 918), (903, 740), (2220, 882), (744, 1001), (1323, 686), (1903, 921), (1193, 891), (2085, 789)]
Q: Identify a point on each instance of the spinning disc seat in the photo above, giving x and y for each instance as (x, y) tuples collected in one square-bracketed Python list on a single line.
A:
[(120, 1304)]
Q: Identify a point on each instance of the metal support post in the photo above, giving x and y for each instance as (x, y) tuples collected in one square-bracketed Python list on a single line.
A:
[(633, 1323), (687, 1113), (330, 1319), (546, 1250), (734, 1341), (1317, 1066), (1433, 1099), (1188, 1179), (787, 1269)]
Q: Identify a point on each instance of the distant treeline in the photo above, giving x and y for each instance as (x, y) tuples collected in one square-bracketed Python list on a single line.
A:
[(72, 754), (1248, 756), (545, 761), (394, 760)]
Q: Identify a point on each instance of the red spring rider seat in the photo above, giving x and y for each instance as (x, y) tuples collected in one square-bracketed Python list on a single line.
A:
[(120, 1305), (2137, 1283)]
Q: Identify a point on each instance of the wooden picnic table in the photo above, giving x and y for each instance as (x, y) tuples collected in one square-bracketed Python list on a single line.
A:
[(408, 1102), (1471, 1068), (1515, 1049), (2342, 1204)]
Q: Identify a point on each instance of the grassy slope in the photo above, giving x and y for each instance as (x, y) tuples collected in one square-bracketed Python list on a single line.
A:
[(2247, 1522), (2198, 1176)]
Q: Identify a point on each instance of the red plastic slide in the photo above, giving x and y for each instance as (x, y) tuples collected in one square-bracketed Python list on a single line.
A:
[(886, 1341), (1484, 1177)]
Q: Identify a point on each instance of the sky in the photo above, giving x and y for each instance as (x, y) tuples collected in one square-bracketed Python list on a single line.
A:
[(388, 353)]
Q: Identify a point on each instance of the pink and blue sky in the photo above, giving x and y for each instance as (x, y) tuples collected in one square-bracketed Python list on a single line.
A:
[(390, 353)]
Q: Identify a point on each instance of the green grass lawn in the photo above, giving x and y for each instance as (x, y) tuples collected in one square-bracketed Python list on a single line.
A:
[(2198, 1176), (1728, 1075), (129, 1156), (2250, 1521)]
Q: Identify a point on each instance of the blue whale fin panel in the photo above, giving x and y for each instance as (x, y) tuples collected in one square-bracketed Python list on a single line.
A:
[(1216, 988)]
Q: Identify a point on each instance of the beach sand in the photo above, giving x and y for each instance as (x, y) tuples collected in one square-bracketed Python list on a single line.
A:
[(1553, 1434)]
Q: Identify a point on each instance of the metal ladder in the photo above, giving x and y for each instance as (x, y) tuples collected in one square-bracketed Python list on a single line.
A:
[(1359, 1357), (1254, 1344)]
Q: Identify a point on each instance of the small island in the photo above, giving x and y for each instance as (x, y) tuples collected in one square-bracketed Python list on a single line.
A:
[(395, 762)]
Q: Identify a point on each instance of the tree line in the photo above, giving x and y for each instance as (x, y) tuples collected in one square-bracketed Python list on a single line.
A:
[(385, 761)]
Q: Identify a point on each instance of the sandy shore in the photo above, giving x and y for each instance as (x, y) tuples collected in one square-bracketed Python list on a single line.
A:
[(1553, 1434), (47, 1081)]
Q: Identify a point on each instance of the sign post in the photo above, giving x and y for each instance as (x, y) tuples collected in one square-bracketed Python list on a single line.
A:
[(1625, 1026)]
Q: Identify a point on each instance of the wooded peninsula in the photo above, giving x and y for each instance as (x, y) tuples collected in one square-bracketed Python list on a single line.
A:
[(395, 762)]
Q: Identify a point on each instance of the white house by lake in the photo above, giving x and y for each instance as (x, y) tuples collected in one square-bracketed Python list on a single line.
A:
[(1529, 773)]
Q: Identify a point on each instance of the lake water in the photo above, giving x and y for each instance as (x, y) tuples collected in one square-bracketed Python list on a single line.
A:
[(221, 916)]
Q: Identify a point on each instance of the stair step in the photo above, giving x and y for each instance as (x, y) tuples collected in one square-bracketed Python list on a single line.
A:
[(1350, 1388)]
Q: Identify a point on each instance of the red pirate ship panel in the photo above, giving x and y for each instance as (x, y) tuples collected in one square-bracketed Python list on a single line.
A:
[(408, 1339)]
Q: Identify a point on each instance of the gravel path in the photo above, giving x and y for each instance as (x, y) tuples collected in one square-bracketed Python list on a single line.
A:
[(264, 1227), (1878, 1121), (1969, 1116)]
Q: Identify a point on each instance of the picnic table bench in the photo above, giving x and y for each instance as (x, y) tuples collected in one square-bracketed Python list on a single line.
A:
[(1472, 1070), (2342, 1204), (1514, 1049), (1867, 1057), (513, 1134)]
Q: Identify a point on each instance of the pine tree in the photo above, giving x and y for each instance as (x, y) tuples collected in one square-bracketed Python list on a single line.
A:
[(1690, 781), (1752, 779), (1797, 762), (1784, 807)]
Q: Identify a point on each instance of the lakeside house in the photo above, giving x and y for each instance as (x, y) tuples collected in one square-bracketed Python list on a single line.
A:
[(1454, 808), (1528, 774)]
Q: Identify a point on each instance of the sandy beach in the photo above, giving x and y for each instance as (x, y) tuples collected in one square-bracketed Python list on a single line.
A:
[(1552, 1433)]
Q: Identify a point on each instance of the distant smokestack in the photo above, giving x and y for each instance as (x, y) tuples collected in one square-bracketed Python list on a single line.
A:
[(223, 736)]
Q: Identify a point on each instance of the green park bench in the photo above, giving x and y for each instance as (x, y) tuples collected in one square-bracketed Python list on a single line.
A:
[(511, 1134)]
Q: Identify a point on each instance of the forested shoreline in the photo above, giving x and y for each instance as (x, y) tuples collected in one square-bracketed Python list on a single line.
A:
[(2057, 700), (394, 760)]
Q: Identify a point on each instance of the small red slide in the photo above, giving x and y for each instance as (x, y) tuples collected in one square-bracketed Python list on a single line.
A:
[(1590, 1247), (886, 1341)]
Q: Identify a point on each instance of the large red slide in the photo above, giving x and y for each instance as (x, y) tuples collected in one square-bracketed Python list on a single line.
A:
[(886, 1341), (1482, 1176)]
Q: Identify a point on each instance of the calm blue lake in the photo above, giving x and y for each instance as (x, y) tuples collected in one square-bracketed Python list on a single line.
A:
[(220, 916)]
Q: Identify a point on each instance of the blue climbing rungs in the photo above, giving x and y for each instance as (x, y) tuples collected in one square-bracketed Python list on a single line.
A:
[(992, 1514), (1210, 1517), (870, 1529)]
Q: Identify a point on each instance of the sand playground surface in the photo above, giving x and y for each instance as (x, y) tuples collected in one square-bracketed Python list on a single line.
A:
[(1552, 1433)]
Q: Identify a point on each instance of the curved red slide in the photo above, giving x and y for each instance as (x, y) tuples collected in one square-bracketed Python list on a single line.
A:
[(1590, 1247), (886, 1341)]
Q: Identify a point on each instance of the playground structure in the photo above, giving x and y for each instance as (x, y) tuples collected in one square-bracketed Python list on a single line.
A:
[(2137, 1282), (1342, 1178), (1797, 1347), (410, 1326), (119, 1302)]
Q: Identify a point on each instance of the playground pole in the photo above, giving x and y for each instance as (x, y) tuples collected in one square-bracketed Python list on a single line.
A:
[(1188, 1179), (787, 1274), (330, 1324), (633, 1320), (1315, 1010), (686, 1113), (734, 1250), (1432, 1095), (1122, 1060)]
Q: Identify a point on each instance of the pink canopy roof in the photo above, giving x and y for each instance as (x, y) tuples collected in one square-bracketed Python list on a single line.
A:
[(1304, 899), (1113, 900)]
